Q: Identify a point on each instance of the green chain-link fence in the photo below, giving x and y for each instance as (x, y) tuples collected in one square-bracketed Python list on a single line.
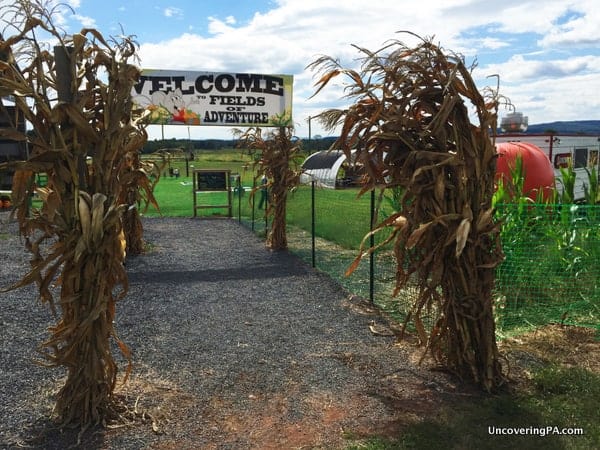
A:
[(551, 273)]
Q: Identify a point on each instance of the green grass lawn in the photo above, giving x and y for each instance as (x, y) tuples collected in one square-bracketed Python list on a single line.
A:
[(332, 207), (175, 194), (560, 398), (340, 216)]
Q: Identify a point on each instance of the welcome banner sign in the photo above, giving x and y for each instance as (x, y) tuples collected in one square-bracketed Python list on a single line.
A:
[(210, 98)]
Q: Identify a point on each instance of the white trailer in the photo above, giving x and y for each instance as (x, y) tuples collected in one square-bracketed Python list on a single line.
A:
[(580, 150)]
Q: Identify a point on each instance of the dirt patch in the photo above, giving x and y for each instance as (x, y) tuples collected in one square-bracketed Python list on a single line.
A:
[(294, 418), (298, 416), (565, 345)]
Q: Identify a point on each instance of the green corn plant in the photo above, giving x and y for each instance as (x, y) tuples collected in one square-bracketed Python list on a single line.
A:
[(510, 190), (393, 199), (591, 189), (567, 181)]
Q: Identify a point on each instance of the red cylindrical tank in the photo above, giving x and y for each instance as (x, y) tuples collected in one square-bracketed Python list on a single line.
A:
[(537, 168)]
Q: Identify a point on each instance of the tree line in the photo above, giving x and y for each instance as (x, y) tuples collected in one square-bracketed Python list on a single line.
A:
[(151, 146)]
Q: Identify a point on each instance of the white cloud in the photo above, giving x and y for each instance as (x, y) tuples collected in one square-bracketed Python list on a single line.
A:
[(217, 26), (173, 12), (544, 100), (87, 22), (579, 32), (520, 70), (550, 90)]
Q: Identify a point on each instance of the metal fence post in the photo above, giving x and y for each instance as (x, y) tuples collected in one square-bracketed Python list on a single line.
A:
[(372, 255), (312, 220), (239, 186), (252, 200)]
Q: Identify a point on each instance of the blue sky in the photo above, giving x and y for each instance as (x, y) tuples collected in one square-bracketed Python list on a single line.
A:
[(546, 53), (153, 21)]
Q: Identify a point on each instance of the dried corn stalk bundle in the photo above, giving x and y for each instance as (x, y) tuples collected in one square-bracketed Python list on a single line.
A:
[(410, 125), (278, 162), (76, 238), (137, 180)]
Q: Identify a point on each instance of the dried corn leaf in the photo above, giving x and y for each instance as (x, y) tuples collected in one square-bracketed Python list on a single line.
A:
[(462, 234)]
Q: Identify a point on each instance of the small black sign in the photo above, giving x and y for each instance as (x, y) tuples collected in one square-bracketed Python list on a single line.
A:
[(212, 180)]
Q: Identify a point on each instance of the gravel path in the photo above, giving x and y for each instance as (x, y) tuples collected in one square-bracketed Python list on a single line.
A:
[(234, 347)]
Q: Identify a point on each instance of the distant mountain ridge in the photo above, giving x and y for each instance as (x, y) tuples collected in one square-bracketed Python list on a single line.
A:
[(566, 127)]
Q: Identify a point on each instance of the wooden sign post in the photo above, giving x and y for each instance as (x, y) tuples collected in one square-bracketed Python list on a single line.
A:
[(212, 180)]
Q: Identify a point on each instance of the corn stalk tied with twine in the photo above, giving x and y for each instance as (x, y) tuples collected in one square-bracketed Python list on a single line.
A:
[(410, 125), (278, 162), (137, 182), (76, 238)]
